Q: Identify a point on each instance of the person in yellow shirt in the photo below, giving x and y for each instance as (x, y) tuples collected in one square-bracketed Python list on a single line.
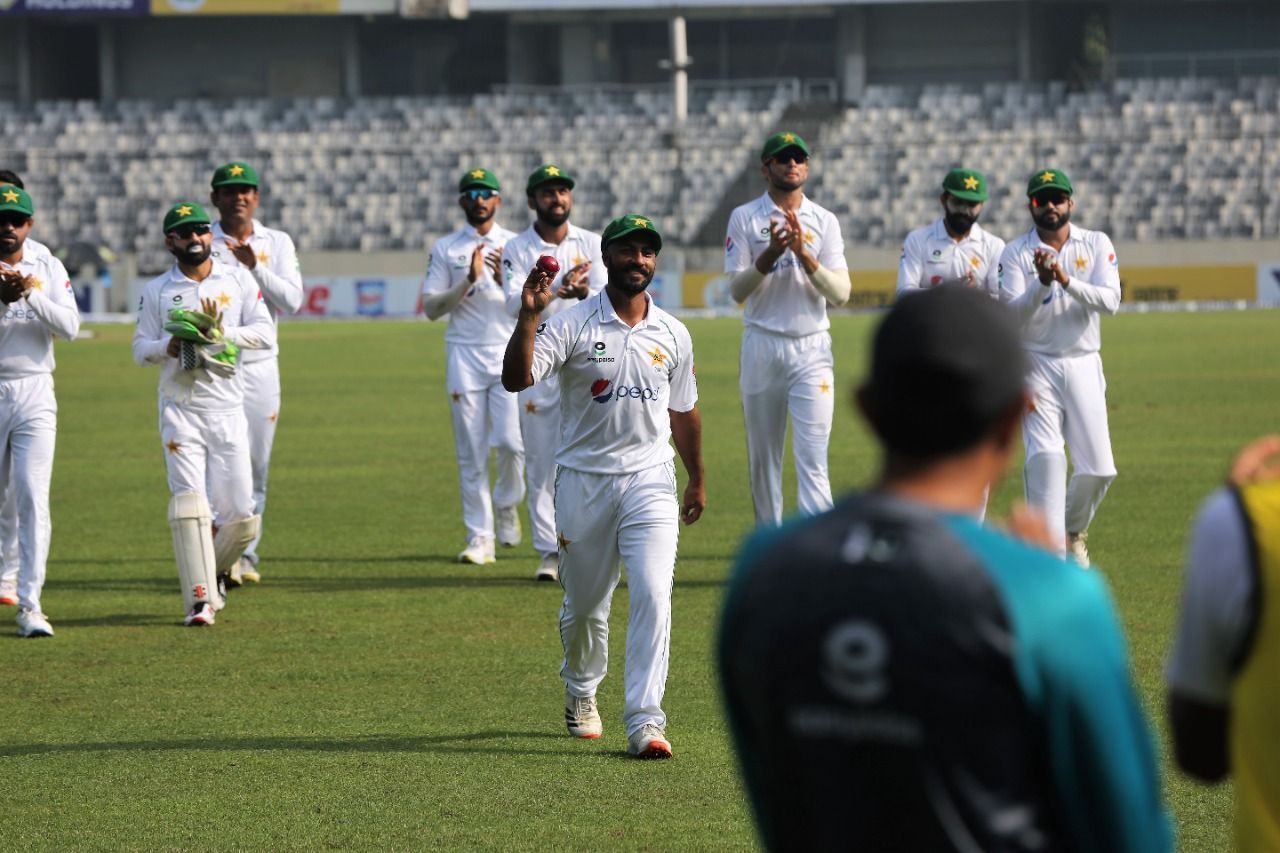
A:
[(1224, 673)]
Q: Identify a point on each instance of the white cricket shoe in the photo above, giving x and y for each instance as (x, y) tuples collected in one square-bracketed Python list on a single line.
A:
[(581, 716), (549, 568), (649, 741), (249, 571), (1077, 548), (233, 579), (200, 616), (478, 553), (507, 519), (32, 623)]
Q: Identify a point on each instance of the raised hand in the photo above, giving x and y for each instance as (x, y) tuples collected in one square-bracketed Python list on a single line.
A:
[(1047, 268), (477, 264), (243, 253), (493, 261), (573, 284), (536, 294)]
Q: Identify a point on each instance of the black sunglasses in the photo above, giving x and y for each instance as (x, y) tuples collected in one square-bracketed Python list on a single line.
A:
[(484, 194), (1044, 199), (17, 220), (791, 157), (186, 232)]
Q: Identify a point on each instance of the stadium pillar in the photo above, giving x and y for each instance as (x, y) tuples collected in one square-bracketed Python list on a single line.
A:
[(107, 86), (1024, 42), (23, 58), (351, 83), (679, 69), (851, 53), (577, 54)]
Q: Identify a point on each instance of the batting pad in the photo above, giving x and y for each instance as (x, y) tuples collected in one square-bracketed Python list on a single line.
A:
[(190, 520), (232, 540)]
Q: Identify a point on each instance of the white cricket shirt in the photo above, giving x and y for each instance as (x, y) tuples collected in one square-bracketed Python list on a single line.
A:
[(618, 384), (28, 325), (931, 257), (578, 246), (277, 273), (481, 318), (246, 322), (786, 302), (1056, 320)]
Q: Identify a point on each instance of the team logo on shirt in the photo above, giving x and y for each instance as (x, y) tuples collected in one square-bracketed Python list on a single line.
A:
[(601, 390), (541, 329), (728, 244), (600, 355)]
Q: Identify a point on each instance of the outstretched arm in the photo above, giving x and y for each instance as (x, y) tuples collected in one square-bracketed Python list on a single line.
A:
[(517, 364), (686, 431)]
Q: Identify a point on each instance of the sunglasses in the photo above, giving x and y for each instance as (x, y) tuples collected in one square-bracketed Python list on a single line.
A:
[(791, 157), (186, 232), (17, 220), (484, 194), (1046, 199)]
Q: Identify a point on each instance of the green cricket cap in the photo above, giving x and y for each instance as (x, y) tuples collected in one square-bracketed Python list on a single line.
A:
[(14, 199), (546, 173), (1049, 179), (184, 213), (966, 184), (233, 174), (779, 142), (629, 224), (482, 178)]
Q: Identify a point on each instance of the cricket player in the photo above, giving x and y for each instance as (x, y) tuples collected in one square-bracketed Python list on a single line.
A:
[(464, 281), (240, 240), (954, 250), (899, 677), (1060, 279), (786, 258), (1224, 697), (549, 194), (192, 322), (38, 305), (627, 389), (10, 551)]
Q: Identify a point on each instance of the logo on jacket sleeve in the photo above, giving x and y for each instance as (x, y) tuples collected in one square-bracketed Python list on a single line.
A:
[(601, 390)]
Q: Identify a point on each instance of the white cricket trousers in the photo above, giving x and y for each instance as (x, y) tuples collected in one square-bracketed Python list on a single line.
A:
[(604, 517), (780, 376), (9, 551), (1070, 398), (208, 453), (28, 432), (261, 380), (482, 419), (539, 407)]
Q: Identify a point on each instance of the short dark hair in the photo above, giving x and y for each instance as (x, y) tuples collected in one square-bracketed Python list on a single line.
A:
[(10, 177)]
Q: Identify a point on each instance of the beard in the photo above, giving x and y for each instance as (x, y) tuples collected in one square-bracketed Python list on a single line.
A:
[(1052, 220), (10, 244), (479, 217), (621, 279), (553, 218), (193, 255), (960, 223)]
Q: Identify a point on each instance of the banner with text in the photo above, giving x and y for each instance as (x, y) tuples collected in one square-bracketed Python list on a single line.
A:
[(87, 8), (271, 7)]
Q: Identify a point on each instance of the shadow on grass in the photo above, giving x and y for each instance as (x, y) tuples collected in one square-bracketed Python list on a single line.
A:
[(329, 584), (119, 620), (457, 743)]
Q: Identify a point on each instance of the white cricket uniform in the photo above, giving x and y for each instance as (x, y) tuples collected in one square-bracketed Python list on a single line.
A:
[(539, 406), (279, 278), (1061, 333), (786, 365), (10, 552), (205, 438), (615, 491), (932, 257), (484, 414), (29, 411)]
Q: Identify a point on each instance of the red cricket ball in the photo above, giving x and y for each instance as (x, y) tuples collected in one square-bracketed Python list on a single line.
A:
[(548, 265)]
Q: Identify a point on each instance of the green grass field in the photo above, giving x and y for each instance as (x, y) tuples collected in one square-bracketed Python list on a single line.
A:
[(373, 694)]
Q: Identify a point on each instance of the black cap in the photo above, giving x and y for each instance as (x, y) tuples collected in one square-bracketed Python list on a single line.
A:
[(946, 364)]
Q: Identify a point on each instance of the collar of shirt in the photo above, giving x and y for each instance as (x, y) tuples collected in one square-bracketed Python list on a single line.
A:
[(806, 206), (940, 232), (217, 271), (256, 231), (569, 235), (1071, 237), (608, 315)]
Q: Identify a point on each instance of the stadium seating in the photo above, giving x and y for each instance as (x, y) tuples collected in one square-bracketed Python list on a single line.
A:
[(1152, 159)]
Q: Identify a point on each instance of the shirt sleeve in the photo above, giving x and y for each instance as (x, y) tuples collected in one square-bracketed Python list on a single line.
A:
[(550, 348), (1101, 292), (831, 250), (597, 276), (737, 244), (991, 283), (1100, 747), (282, 286), (910, 265), (512, 278), (256, 329), (150, 340), (437, 278), (683, 380), (55, 305), (1215, 603), (1016, 290)]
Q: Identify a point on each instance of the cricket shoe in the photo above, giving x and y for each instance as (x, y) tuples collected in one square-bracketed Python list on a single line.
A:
[(1078, 549), (581, 716), (9, 595), (549, 568), (478, 553), (249, 571), (33, 623), (508, 524), (231, 580), (200, 616), (648, 742)]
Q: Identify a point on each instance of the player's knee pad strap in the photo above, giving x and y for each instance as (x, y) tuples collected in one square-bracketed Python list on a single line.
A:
[(232, 540), (189, 519)]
